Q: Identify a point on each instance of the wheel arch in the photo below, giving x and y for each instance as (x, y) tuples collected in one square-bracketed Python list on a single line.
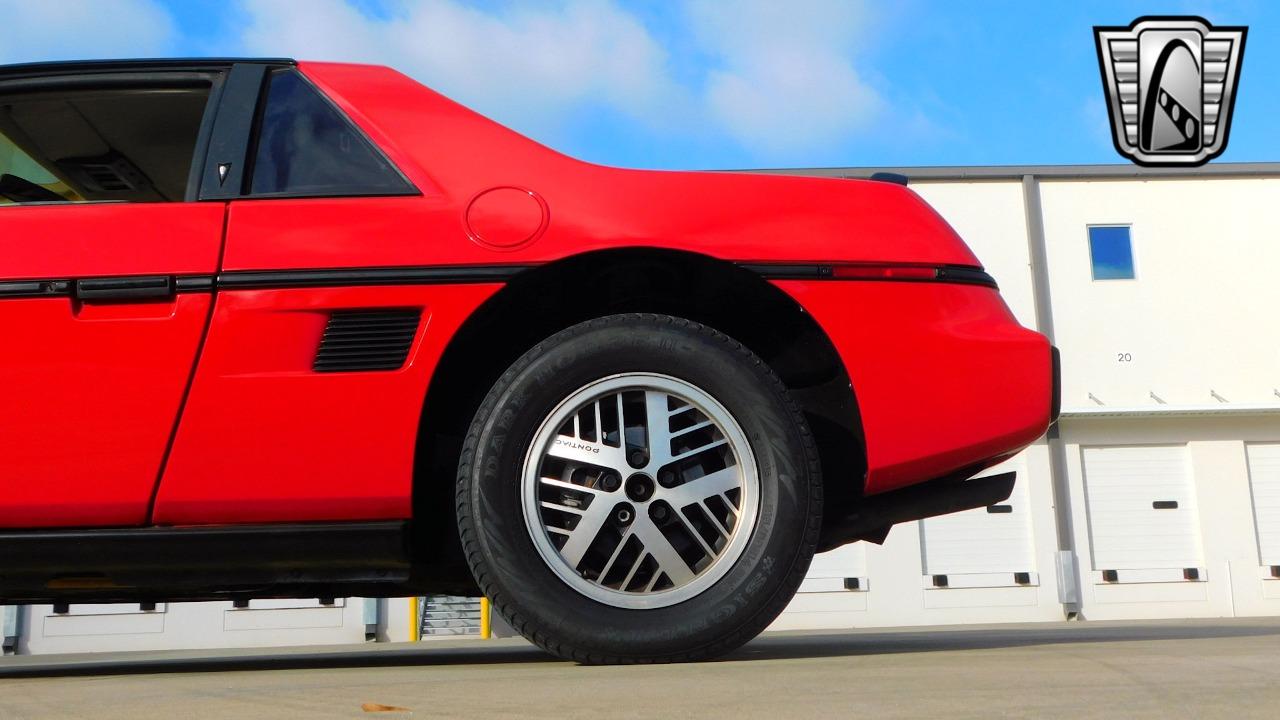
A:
[(541, 301)]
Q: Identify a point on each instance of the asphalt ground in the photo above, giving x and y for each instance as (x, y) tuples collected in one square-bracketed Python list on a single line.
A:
[(1174, 669)]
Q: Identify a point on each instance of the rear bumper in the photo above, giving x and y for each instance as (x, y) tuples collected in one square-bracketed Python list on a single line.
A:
[(873, 518), (945, 377), (1055, 406)]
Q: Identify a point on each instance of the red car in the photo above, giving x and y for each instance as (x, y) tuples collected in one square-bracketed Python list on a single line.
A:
[(280, 329)]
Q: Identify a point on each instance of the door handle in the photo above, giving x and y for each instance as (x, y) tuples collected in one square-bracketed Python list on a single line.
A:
[(138, 287)]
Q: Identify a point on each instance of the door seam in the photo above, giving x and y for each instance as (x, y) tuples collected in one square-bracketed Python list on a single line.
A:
[(197, 358)]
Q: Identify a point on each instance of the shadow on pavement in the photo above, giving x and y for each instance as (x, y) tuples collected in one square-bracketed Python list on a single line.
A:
[(424, 655), (779, 646), (775, 647)]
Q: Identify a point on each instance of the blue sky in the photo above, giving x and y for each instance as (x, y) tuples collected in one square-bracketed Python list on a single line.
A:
[(708, 83)]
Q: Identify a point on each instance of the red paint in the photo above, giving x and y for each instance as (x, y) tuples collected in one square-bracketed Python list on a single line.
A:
[(91, 390), (264, 438), (953, 379), (453, 154), (945, 377), (66, 241)]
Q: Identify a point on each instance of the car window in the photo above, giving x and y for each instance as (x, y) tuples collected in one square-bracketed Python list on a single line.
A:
[(307, 147), (87, 145)]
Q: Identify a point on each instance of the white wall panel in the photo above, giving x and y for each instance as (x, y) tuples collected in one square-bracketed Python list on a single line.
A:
[(1189, 323), (990, 217)]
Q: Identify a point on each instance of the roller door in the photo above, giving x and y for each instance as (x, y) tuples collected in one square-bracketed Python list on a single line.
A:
[(984, 547), (844, 568), (1264, 482), (1143, 523)]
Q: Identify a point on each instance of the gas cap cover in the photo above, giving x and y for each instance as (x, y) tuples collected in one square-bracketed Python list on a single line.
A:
[(506, 218)]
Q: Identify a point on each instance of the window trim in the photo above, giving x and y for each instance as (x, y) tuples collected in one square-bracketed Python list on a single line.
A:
[(111, 80), (59, 68), (201, 152), (1133, 251), (232, 127), (409, 190)]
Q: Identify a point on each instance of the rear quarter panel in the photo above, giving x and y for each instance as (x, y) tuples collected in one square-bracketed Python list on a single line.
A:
[(453, 154)]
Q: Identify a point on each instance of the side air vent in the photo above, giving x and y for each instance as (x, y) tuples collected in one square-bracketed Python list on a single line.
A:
[(357, 340)]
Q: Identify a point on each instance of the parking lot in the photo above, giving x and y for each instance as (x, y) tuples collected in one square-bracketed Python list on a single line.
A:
[(1194, 669)]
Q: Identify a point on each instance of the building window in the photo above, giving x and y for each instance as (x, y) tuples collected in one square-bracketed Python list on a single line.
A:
[(1111, 252)]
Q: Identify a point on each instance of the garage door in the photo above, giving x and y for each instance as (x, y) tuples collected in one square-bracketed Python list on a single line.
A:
[(1264, 481), (844, 568), (985, 547), (1142, 511)]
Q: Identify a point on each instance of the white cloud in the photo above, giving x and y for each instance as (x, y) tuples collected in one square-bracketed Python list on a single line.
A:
[(38, 30), (782, 78), (786, 81), (527, 66)]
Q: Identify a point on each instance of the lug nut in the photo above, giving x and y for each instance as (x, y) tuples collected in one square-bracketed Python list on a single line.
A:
[(624, 515), (659, 512), (610, 482), (638, 458)]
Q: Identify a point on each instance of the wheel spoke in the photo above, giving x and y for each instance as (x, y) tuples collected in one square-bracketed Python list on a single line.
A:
[(581, 537), (631, 574), (654, 581), (657, 427), (604, 571), (692, 428), (567, 485), (720, 528), (657, 545), (702, 448), (561, 508), (729, 504), (695, 491), (693, 532)]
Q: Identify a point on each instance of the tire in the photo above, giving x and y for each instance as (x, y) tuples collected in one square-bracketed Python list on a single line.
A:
[(649, 614)]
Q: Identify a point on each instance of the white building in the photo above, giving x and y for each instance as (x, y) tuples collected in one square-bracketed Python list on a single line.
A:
[(1157, 495)]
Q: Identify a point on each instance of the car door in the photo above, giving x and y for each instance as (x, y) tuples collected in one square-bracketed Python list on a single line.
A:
[(106, 283), (306, 403)]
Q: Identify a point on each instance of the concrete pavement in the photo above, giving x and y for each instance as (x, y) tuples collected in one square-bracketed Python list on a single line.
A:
[(1193, 669)]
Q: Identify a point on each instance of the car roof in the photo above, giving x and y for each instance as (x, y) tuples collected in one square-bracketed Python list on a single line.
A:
[(71, 67)]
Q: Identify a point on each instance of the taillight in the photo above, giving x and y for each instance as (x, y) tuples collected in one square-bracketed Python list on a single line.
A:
[(883, 272), (962, 274)]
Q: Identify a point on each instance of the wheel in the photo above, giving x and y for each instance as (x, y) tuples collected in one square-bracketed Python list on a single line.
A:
[(639, 488)]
